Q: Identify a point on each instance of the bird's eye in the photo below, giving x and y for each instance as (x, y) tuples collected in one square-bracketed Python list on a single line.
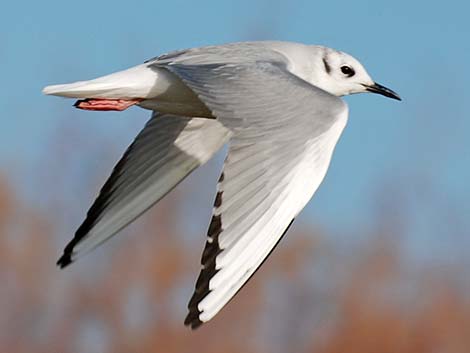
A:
[(348, 71)]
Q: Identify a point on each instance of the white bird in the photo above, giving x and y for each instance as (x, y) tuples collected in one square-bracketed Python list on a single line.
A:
[(277, 106)]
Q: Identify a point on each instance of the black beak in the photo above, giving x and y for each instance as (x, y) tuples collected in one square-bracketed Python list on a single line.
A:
[(384, 91)]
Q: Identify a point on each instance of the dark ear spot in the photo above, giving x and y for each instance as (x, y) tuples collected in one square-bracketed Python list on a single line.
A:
[(327, 66)]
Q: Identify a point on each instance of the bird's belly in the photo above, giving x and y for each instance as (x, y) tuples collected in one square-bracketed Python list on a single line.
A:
[(178, 107), (170, 95)]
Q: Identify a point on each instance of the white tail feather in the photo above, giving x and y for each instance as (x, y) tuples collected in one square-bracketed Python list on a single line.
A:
[(136, 82)]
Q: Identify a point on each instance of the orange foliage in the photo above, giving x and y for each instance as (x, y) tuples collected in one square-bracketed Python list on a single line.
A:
[(131, 297)]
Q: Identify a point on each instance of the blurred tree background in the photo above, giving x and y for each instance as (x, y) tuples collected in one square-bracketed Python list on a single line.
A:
[(377, 262), (313, 295)]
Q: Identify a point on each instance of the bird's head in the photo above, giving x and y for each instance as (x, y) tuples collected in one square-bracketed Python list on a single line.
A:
[(340, 74)]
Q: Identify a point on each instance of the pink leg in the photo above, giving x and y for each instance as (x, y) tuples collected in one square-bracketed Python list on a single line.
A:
[(106, 104)]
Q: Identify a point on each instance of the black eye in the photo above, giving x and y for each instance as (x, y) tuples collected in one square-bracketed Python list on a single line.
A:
[(348, 71)]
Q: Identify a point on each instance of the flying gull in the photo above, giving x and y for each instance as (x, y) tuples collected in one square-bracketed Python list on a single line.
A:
[(277, 106)]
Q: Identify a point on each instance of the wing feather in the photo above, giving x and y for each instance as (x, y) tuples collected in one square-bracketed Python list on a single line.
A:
[(162, 155), (284, 133)]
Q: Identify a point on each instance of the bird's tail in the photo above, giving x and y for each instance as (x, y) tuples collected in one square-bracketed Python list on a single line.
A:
[(136, 82)]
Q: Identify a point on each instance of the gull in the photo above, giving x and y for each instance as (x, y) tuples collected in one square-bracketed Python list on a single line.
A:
[(276, 104)]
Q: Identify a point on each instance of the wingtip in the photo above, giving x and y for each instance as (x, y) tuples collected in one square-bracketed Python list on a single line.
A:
[(192, 320), (64, 261)]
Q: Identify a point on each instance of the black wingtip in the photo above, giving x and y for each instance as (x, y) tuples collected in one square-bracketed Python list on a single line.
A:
[(192, 319), (64, 261)]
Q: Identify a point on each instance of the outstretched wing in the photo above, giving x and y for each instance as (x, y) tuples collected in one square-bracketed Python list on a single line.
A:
[(162, 155), (284, 131)]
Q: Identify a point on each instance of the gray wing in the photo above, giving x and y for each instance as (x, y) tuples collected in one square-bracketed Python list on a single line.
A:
[(284, 131), (234, 53), (162, 155)]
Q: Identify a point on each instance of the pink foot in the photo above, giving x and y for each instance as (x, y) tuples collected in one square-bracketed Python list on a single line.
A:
[(106, 104)]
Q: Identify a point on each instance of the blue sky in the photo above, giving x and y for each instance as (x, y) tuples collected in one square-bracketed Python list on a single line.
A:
[(415, 149)]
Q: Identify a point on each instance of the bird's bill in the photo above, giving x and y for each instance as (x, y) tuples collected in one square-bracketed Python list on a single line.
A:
[(384, 91)]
